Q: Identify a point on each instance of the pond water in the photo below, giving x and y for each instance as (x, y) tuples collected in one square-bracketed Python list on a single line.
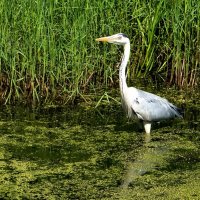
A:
[(96, 153)]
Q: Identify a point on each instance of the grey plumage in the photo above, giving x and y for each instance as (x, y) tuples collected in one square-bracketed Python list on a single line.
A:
[(149, 107), (145, 106)]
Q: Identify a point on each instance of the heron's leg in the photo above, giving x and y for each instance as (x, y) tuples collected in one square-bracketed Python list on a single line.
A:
[(147, 126)]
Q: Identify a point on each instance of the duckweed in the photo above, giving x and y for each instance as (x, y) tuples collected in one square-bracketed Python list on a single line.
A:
[(82, 153)]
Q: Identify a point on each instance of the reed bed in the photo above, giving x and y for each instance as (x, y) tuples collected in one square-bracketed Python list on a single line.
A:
[(48, 52)]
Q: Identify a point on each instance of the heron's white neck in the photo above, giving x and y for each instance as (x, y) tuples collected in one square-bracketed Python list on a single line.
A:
[(122, 69)]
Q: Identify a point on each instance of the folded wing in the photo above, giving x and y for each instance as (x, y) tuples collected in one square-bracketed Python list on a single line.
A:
[(150, 107)]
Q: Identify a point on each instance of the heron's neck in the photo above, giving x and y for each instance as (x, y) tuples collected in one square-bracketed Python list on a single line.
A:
[(122, 69)]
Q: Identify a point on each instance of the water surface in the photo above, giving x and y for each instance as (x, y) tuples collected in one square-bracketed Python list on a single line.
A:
[(86, 153)]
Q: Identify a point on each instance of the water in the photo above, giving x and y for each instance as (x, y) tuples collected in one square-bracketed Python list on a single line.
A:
[(86, 153)]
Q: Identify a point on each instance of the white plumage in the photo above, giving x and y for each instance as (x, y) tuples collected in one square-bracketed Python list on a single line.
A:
[(145, 106)]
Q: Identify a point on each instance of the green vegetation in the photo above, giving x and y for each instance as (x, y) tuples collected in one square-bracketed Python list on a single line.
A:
[(82, 153), (48, 51)]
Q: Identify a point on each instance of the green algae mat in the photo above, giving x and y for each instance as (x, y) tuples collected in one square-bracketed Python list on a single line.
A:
[(86, 153)]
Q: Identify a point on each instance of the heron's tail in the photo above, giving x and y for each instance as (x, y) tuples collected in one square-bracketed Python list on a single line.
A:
[(179, 112)]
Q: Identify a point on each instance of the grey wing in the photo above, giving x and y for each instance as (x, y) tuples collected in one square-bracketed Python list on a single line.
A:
[(150, 107)]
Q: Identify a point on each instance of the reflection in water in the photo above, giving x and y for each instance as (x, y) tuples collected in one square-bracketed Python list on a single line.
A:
[(147, 138), (151, 156)]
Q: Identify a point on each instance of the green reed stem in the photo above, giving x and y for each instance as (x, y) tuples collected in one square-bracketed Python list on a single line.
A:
[(48, 51)]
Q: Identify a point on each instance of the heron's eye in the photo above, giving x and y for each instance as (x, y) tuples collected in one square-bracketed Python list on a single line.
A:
[(120, 37)]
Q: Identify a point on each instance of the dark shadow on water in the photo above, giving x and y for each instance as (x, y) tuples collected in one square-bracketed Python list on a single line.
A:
[(130, 127), (52, 154), (187, 159)]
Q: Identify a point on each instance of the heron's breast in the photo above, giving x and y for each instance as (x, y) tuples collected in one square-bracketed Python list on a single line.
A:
[(128, 96)]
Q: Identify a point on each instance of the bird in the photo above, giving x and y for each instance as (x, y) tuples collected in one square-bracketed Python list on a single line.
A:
[(137, 103)]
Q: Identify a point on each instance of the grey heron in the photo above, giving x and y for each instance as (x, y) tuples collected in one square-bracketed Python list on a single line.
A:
[(137, 103)]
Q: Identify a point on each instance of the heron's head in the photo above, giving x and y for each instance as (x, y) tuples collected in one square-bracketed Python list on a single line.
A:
[(119, 38)]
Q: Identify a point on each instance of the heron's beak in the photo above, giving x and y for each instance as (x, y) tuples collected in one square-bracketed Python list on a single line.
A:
[(103, 39)]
